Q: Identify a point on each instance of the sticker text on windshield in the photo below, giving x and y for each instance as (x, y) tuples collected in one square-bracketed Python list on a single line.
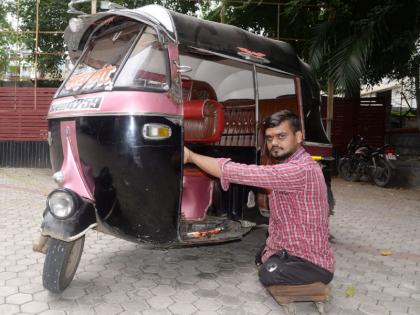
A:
[(91, 79)]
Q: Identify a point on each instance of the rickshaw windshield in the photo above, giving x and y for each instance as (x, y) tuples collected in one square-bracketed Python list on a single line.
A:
[(145, 68)]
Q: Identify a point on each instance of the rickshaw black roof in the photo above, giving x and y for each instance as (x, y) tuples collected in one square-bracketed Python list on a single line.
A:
[(227, 39), (192, 32)]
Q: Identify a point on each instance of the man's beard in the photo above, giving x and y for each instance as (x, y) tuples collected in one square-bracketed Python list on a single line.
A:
[(277, 156)]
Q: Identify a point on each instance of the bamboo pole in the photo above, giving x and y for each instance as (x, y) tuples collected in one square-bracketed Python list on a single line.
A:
[(417, 92), (223, 12), (93, 8), (330, 107), (330, 89), (19, 48), (278, 21), (30, 32), (36, 51)]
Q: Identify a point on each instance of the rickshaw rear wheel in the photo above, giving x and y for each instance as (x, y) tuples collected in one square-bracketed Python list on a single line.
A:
[(61, 262)]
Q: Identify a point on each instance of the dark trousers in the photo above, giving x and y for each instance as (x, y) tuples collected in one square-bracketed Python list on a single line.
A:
[(284, 269)]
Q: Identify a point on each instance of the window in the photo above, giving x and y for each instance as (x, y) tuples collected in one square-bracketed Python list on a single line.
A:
[(276, 92), (230, 79), (273, 85), (97, 67), (146, 68)]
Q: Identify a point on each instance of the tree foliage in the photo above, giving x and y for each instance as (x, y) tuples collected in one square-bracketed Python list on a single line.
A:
[(53, 18), (349, 41), (185, 7), (52, 21), (359, 41), (5, 36)]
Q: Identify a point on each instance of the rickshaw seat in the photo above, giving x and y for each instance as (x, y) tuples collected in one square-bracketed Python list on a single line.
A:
[(203, 121), (239, 123)]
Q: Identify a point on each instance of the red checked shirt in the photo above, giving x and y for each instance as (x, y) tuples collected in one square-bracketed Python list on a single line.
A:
[(298, 205)]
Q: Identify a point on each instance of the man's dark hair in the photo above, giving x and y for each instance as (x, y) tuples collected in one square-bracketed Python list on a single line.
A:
[(285, 115)]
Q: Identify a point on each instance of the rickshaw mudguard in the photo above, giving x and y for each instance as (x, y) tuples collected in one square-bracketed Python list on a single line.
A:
[(71, 228), (144, 175)]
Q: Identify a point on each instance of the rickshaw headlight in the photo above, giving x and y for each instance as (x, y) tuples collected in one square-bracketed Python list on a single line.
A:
[(61, 204), (156, 131)]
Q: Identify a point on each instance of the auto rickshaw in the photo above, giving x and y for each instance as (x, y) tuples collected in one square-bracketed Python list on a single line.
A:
[(144, 83)]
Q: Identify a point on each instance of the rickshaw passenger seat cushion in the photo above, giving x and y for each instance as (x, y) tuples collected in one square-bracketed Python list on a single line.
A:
[(203, 121)]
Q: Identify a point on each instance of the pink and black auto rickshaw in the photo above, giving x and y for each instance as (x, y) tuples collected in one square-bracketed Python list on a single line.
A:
[(146, 82)]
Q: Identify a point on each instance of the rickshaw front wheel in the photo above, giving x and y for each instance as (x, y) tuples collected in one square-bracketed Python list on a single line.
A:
[(61, 262)]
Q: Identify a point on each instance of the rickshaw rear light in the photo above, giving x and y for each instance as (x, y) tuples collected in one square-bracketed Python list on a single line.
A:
[(389, 150), (61, 203), (156, 131)]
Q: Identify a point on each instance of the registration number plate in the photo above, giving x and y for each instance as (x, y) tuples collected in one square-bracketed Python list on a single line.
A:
[(391, 156)]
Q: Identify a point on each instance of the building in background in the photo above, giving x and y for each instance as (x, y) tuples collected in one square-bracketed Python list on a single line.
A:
[(403, 102)]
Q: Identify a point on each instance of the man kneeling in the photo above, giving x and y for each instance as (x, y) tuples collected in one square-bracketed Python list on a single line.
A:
[(297, 250)]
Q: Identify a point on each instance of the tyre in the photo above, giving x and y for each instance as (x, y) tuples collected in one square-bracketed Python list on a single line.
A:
[(61, 262), (382, 174), (346, 170)]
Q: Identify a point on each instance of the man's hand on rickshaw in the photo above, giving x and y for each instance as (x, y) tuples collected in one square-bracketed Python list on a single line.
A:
[(187, 155), (206, 163)]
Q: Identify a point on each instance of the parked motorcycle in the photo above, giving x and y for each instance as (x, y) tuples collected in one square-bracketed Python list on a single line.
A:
[(363, 162)]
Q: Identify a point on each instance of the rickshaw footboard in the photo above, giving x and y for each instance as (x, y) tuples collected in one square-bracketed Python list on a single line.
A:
[(213, 229)]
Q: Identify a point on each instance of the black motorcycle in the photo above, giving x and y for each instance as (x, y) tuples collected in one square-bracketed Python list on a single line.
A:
[(362, 162)]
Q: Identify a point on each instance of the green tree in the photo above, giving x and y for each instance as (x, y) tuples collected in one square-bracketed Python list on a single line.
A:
[(361, 41), (5, 37), (53, 17), (185, 7), (348, 42), (52, 21), (260, 19)]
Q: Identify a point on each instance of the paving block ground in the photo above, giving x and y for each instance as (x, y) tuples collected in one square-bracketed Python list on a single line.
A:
[(119, 277)]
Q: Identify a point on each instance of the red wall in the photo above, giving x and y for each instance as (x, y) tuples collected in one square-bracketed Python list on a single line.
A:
[(23, 113), (351, 116)]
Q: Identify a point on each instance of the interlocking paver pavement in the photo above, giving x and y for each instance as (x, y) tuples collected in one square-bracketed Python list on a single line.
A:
[(119, 277)]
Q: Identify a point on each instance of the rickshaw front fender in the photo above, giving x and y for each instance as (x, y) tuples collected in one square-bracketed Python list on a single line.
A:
[(72, 228)]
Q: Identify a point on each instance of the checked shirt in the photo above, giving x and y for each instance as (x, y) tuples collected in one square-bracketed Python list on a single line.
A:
[(298, 205)]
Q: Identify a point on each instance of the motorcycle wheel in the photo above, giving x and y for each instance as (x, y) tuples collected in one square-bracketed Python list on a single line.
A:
[(382, 174), (345, 170), (61, 262)]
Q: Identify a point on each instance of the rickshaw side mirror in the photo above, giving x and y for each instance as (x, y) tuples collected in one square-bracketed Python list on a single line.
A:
[(182, 69)]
